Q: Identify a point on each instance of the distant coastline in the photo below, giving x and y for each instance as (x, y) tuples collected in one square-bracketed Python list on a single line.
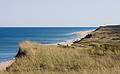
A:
[(80, 34), (97, 46), (11, 37)]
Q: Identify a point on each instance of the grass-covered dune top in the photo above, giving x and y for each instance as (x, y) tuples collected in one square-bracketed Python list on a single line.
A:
[(98, 52)]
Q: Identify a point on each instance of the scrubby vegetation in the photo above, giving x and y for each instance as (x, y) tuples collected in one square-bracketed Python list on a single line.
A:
[(97, 54)]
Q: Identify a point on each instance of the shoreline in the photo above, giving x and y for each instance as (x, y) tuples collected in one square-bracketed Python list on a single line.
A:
[(5, 64), (81, 34)]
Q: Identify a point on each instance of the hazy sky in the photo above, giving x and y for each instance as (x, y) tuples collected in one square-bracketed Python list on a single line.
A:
[(59, 12)]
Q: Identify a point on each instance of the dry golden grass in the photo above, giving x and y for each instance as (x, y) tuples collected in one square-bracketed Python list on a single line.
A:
[(99, 54)]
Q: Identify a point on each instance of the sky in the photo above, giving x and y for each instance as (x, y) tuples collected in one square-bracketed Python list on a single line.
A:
[(56, 13)]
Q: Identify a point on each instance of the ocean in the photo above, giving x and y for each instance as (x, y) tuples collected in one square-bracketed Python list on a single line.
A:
[(10, 37)]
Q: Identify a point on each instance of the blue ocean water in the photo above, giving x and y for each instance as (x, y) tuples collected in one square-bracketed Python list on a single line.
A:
[(10, 37)]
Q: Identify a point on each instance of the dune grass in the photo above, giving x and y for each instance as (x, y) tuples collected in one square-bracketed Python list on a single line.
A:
[(99, 54)]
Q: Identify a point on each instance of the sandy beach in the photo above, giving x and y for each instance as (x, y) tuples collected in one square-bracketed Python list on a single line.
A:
[(4, 65), (80, 35)]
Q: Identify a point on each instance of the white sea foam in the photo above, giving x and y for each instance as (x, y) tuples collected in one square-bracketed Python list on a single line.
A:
[(80, 35)]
